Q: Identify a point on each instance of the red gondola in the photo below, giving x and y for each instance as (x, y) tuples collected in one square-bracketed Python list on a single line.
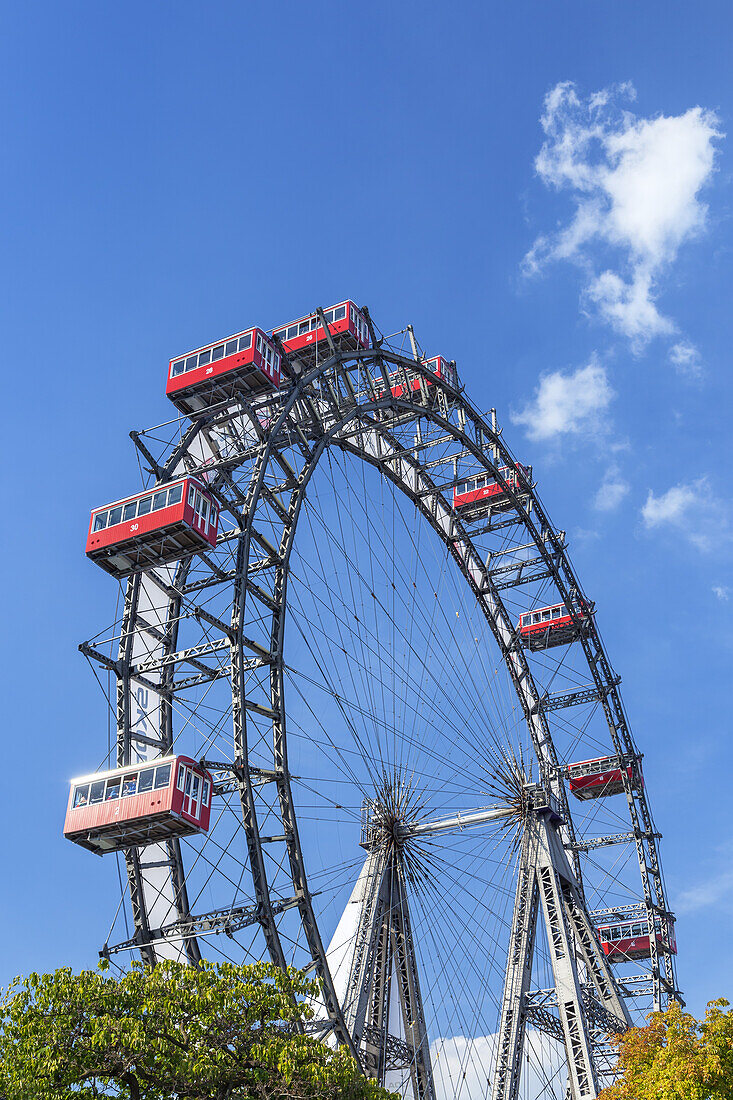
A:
[(141, 804), (438, 366), (550, 626), (346, 323), (603, 776), (153, 528), (248, 361), (482, 489), (629, 939)]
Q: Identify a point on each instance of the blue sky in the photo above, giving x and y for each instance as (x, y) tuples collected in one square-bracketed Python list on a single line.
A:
[(543, 190)]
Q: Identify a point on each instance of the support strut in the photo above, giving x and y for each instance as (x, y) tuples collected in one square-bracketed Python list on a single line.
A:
[(585, 988)]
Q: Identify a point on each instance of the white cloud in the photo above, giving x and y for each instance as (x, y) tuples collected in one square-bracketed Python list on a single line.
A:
[(613, 489), (670, 507), (585, 535), (628, 307), (692, 509), (721, 591), (635, 183), (568, 403), (685, 358), (715, 890)]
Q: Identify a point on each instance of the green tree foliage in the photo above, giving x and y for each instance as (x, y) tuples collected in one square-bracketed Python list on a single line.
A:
[(677, 1057), (220, 1032)]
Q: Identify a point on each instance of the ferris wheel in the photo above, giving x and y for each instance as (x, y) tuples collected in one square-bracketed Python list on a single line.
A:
[(366, 724)]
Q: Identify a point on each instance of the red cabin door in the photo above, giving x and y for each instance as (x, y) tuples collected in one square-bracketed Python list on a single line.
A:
[(195, 810), (192, 794)]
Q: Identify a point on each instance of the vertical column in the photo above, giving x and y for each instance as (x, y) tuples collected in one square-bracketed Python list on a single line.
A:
[(413, 1016), (518, 973), (581, 1070), (352, 952), (585, 938)]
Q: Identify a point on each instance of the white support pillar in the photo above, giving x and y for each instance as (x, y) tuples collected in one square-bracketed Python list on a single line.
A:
[(372, 957)]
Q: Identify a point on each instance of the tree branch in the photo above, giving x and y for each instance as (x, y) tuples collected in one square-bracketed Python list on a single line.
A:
[(132, 1082)]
